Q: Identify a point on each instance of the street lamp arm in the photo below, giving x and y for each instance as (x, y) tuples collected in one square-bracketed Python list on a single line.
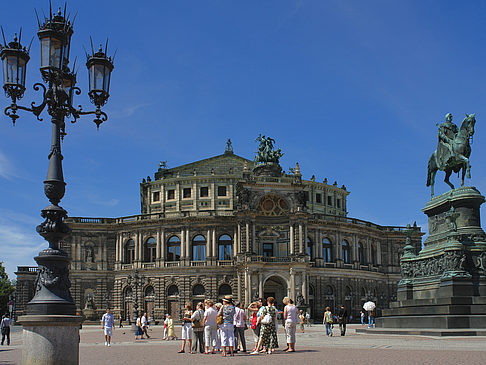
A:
[(11, 110), (101, 116)]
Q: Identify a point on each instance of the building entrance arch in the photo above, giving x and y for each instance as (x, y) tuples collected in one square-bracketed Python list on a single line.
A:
[(277, 287)]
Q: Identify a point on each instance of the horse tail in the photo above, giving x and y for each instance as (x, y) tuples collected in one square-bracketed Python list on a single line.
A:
[(430, 167)]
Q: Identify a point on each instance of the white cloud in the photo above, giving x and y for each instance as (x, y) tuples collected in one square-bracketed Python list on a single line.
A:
[(6, 169)]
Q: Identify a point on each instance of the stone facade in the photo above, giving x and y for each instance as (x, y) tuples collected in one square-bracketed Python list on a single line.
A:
[(222, 226)]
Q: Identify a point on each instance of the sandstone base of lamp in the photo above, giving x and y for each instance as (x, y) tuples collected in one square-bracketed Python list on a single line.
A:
[(50, 339)]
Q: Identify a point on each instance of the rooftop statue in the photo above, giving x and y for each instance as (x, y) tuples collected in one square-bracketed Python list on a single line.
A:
[(453, 150), (266, 153), (229, 147)]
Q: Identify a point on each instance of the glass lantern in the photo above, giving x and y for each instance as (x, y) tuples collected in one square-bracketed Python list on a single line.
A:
[(14, 59), (99, 71)]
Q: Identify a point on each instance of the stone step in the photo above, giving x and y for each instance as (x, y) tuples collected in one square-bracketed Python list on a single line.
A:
[(435, 310), (424, 331), (433, 321)]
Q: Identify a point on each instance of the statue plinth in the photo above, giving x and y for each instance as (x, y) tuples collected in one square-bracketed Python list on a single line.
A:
[(270, 169), (443, 287)]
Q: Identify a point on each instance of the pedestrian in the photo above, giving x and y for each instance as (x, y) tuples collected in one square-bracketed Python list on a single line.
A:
[(170, 325), (198, 328), (307, 319), (290, 323), (166, 327), (227, 311), (138, 327), (5, 328), (371, 319), (107, 324), (240, 327), (328, 321), (268, 335), (301, 321), (120, 320), (362, 318), (219, 322), (210, 326), (342, 319), (255, 308), (145, 325), (187, 328)]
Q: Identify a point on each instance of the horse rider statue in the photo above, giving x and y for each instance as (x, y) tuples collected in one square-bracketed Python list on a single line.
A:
[(447, 133)]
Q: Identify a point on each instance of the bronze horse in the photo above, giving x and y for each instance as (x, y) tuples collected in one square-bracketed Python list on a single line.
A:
[(461, 151)]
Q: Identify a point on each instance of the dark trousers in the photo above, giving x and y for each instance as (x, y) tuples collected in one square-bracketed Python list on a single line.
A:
[(342, 327), (240, 336), (144, 330), (198, 338), (6, 333)]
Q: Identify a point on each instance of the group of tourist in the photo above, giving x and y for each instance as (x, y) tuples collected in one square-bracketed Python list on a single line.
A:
[(329, 319)]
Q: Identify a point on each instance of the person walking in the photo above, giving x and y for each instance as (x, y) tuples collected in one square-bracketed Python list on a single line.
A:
[(240, 326), (198, 328), (268, 335), (227, 311), (256, 309), (328, 321), (290, 323), (138, 325), (107, 324), (342, 319), (219, 321), (5, 328), (166, 327), (362, 318), (120, 320), (210, 326), (170, 328), (145, 325), (187, 328), (308, 319), (301, 321), (371, 319)]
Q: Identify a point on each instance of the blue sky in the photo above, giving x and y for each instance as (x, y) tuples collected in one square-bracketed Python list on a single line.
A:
[(352, 90)]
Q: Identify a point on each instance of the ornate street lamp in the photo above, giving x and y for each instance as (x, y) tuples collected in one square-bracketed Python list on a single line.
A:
[(52, 301), (135, 281)]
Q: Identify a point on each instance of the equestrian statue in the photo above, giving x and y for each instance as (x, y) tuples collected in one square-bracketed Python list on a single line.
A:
[(453, 150)]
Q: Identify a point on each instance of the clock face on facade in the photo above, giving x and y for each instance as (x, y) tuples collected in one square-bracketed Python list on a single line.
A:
[(272, 205)]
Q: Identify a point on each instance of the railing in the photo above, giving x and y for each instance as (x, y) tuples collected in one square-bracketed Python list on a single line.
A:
[(225, 262), (27, 269), (275, 259), (172, 263), (90, 220), (356, 221), (127, 266), (198, 263), (148, 265)]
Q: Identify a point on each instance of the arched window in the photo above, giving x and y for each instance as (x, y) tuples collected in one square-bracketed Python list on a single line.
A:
[(149, 291), (199, 248), (225, 244), (173, 291), (327, 250), (361, 256), (310, 248), (224, 289), (363, 292), (198, 290), (129, 252), (345, 251), (373, 255), (149, 250), (174, 249), (347, 291)]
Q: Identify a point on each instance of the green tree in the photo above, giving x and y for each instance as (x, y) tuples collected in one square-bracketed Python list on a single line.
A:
[(6, 289)]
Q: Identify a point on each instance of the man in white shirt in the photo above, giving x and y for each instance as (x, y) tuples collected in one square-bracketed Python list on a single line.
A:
[(145, 325), (5, 328), (107, 323), (210, 326)]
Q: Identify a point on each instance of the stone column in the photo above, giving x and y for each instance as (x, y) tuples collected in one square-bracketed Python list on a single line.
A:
[(208, 244), (238, 243), (291, 233), (260, 285), (256, 248), (301, 242), (247, 233), (319, 245), (157, 247), (292, 284), (215, 245), (378, 253), (304, 285), (140, 247), (235, 243), (238, 275), (137, 250), (183, 245), (188, 246), (247, 287)]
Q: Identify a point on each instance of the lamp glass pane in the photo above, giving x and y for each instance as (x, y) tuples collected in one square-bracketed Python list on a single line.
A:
[(106, 85), (11, 75), (45, 46), (5, 67), (22, 69), (55, 53), (99, 75)]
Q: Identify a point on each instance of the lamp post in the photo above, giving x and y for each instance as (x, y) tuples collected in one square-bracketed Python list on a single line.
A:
[(135, 280), (52, 302)]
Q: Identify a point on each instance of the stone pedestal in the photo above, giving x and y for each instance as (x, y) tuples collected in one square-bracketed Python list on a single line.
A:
[(443, 287), (50, 339)]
